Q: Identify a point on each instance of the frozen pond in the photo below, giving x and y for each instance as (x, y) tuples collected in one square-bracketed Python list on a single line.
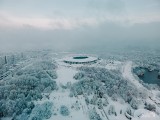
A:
[(150, 77)]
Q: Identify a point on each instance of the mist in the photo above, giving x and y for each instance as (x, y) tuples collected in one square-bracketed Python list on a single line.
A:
[(81, 25), (105, 36)]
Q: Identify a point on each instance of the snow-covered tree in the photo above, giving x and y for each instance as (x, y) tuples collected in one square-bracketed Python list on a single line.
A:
[(16, 93), (94, 100), (23, 116), (129, 111), (150, 107), (134, 104), (105, 102), (78, 76), (114, 97), (21, 104), (10, 107), (87, 100), (13, 94), (100, 104), (64, 110), (30, 105), (52, 74), (101, 81), (93, 115), (41, 112), (111, 110), (47, 90)]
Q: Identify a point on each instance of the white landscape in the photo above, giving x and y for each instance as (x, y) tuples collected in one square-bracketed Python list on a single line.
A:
[(79, 59), (79, 103)]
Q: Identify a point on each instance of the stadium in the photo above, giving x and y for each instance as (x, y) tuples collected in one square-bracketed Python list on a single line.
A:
[(80, 59)]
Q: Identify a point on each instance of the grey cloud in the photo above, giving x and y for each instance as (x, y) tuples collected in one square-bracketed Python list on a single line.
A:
[(107, 35)]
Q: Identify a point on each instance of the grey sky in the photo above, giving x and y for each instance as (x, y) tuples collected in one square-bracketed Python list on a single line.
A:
[(69, 24)]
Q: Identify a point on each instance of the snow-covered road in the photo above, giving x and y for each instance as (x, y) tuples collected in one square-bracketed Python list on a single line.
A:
[(128, 75)]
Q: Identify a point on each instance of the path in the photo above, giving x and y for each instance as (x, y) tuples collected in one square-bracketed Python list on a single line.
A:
[(128, 75)]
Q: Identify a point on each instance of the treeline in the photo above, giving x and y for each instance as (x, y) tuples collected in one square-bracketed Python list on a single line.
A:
[(8, 62)]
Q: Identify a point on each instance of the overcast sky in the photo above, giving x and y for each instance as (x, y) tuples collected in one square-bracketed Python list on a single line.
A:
[(70, 24)]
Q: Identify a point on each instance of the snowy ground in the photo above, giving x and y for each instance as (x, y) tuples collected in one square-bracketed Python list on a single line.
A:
[(127, 73), (61, 97), (145, 114), (65, 74), (77, 105)]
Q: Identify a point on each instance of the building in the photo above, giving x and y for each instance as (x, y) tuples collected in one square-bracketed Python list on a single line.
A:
[(80, 59)]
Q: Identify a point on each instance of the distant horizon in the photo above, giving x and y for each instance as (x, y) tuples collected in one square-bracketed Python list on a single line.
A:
[(80, 24)]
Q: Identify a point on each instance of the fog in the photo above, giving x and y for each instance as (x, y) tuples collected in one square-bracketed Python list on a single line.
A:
[(81, 25), (106, 36)]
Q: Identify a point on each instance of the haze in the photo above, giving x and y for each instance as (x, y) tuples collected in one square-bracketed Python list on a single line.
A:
[(78, 24)]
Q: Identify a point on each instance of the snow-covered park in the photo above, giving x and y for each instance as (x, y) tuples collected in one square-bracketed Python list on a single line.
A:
[(50, 88)]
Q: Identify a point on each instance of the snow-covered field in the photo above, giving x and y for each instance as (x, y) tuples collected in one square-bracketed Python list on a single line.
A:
[(61, 97), (77, 106), (65, 74)]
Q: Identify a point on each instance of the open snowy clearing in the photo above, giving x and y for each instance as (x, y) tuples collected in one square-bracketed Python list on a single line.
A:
[(143, 114), (65, 74), (61, 97)]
